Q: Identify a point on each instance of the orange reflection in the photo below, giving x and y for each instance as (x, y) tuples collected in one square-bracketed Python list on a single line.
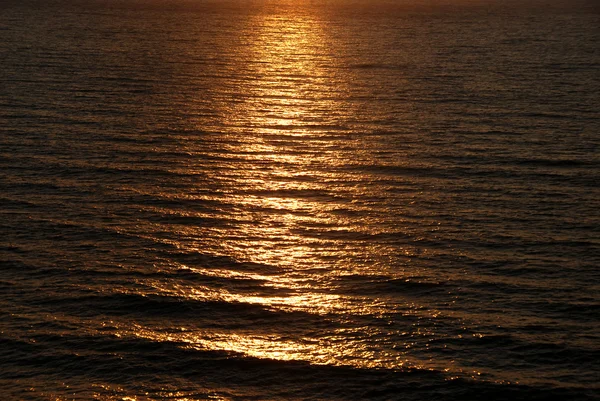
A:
[(286, 117), (282, 109)]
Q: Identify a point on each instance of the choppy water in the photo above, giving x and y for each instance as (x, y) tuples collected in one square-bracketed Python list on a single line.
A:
[(299, 200)]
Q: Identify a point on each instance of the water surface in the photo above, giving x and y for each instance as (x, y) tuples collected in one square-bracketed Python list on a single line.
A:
[(299, 200)]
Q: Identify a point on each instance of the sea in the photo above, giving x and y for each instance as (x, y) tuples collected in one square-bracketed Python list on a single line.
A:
[(299, 200)]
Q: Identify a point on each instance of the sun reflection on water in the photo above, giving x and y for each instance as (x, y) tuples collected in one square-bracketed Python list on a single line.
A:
[(284, 149), (334, 349), (280, 113)]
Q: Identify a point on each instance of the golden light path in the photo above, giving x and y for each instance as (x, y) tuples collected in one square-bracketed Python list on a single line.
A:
[(291, 99)]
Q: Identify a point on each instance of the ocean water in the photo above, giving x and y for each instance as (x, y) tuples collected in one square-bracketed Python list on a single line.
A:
[(299, 200)]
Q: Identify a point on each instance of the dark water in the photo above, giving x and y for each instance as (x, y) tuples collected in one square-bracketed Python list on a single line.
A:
[(299, 200)]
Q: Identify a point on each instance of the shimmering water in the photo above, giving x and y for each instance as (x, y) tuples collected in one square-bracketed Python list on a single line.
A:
[(299, 200)]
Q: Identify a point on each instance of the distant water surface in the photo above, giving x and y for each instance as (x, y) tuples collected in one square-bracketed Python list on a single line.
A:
[(299, 200)]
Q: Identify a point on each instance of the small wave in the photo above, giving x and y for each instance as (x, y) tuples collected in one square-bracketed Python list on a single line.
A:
[(376, 66), (185, 310), (378, 284), (566, 163), (86, 358), (198, 259)]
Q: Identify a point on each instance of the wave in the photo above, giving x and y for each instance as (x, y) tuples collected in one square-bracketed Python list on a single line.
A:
[(386, 285), (194, 312), (121, 361)]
